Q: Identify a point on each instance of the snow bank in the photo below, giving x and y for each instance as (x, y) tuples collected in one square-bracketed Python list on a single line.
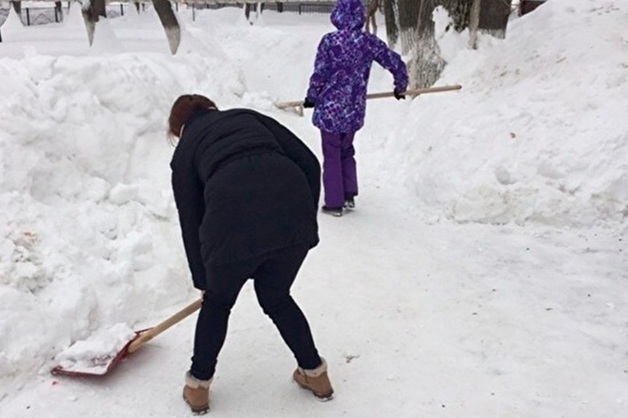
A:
[(536, 135), (88, 232)]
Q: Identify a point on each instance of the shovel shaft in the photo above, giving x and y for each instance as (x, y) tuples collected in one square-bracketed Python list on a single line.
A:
[(412, 93), (148, 335), (415, 92)]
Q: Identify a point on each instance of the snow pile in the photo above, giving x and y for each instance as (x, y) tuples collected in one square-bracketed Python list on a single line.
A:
[(536, 134), (88, 230), (95, 354)]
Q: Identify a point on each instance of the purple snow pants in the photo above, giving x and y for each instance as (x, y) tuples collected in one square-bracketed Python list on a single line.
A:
[(340, 178)]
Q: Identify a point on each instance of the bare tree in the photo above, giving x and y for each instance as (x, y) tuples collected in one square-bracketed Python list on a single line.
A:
[(474, 23), (459, 11), (390, 18), (17, 7), (247, 10), (59, 9), (94, 10), (490, 17), (412, 16), (494, 15), (427, 64), (371, 11), (169, 22), (409, 11), (417, 32)]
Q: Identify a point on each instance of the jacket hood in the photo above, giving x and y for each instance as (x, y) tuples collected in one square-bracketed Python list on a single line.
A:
[(348, 14)]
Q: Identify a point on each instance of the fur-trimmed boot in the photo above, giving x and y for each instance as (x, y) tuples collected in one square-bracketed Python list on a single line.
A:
[(315, 380), (196, 393)]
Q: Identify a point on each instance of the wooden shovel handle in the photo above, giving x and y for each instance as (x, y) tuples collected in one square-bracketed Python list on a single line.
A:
[(151, 333), (413, 93)]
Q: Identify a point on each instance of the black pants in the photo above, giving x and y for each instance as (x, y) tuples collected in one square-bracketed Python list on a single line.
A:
[(273, 274)]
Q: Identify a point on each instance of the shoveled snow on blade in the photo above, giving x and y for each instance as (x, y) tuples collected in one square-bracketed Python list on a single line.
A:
[(93, 356)]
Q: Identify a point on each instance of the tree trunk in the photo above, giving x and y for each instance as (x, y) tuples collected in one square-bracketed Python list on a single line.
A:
[(371, 11), (390, 18), (427, 64), (409, 11), (494, 15), (169, 22), (17, 7), (474, 23), (417, 30), (460, 11), (91, 15), (96, 8)]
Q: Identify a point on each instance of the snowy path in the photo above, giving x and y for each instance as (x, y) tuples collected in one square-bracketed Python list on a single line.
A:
[(467, 321)]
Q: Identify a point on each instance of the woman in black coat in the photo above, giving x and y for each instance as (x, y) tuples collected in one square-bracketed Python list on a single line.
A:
[(247, 190)]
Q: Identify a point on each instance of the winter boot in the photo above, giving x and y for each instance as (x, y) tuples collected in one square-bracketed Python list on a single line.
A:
[(332, 211), (315, 380), (196, 394)]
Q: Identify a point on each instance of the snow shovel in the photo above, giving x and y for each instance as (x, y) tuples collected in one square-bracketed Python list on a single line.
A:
[(100, 364), (298, 104)]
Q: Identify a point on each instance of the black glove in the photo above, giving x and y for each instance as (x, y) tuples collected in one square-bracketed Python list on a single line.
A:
[(308, 103), (399, 95)]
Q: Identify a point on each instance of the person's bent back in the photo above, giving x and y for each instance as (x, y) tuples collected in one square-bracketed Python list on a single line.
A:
[(246, 189)]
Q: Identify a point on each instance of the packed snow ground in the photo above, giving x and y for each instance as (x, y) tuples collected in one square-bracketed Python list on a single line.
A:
[(483, 273)]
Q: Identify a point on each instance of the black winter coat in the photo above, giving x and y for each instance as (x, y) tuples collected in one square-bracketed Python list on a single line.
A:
[(244, 185)]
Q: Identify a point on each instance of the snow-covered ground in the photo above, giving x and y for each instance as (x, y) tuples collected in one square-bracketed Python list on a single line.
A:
[(483, 274)]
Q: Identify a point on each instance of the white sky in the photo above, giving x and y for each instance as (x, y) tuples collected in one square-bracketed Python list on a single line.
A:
[(483, 274)]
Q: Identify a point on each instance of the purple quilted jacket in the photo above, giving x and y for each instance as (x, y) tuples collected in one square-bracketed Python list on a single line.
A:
[(342, 69)]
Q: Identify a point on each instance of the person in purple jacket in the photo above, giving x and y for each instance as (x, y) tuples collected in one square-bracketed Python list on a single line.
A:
[(337, 92)]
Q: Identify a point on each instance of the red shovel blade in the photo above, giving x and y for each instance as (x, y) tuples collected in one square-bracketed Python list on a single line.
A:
[(98, 366), (75, 364)]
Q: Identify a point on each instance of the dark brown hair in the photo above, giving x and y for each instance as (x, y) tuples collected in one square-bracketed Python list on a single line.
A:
[(181, 110)]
